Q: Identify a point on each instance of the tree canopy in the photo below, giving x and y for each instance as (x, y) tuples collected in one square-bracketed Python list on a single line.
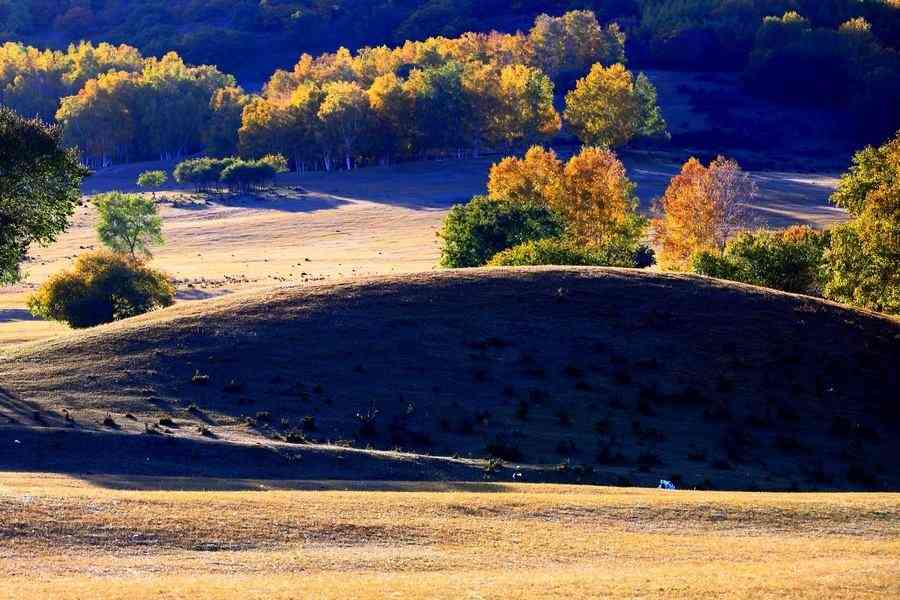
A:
[(40, 186)]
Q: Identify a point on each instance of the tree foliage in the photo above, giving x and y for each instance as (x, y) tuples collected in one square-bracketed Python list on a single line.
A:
[(102, 287), (39, 188), (152, 179), (557, 251), (609, 107), (700, 210), (476, 231), (591, 193), (862, 264), (788, 259), (128, 223)]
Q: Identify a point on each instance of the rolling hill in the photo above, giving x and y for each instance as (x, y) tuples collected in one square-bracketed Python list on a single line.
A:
[(575, 374)]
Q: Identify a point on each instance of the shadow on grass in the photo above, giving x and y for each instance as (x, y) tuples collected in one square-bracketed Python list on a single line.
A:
[(132, 461)]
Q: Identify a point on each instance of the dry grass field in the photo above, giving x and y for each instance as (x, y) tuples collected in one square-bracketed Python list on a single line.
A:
[(328, 226), (63, 537)]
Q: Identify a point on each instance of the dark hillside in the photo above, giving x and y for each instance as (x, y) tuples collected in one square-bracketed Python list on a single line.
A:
[(620, 376)]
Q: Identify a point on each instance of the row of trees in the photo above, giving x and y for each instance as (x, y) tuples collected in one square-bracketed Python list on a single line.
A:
[(441, 95), (232, 173), (113, 103), (541, 211), (701, 225), (846, 68)]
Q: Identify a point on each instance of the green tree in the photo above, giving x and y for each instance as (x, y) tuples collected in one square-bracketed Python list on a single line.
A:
[(651, 123), (788, 260), (475, 232), (557, 251), (128, 223), (40, 185), (862, 263), (152, 180)]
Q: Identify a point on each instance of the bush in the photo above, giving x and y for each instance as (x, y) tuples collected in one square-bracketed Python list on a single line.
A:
[(787, 260), (243, 175), (202, 173), (559, 251), (102, 287), (473, 233), (152, 179)]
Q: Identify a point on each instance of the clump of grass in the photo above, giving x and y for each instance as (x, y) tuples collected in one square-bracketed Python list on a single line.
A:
[(108, 421), (295, 437)]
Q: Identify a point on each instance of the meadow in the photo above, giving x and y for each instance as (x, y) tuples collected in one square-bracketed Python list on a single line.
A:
[(205, 538)]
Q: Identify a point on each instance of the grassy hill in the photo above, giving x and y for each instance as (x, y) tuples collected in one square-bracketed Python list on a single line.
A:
[(612, 376)]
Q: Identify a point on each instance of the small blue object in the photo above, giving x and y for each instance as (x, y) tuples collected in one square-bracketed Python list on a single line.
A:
[(666, 485)]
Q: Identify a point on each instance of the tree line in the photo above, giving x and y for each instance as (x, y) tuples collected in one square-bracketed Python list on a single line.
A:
[(437, 96), (541, 211)]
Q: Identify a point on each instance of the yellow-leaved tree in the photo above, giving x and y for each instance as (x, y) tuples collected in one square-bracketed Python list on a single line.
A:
[(591, 193), (535, 178), (603, 109), (598, 201)]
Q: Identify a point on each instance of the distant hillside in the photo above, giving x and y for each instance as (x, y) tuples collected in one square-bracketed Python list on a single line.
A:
[(252, 38), (606, 375)]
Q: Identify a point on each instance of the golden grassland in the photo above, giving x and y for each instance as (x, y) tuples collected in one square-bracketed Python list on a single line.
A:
[(108, 537)]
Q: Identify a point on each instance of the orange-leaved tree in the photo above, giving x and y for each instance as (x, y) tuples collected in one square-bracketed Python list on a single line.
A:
[(700, 210)]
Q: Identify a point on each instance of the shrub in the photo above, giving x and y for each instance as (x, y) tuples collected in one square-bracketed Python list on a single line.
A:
[(202, 173), (787, 260), (244, 175), (559, 251), (475, 232), (102, 287), (152, 179)]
